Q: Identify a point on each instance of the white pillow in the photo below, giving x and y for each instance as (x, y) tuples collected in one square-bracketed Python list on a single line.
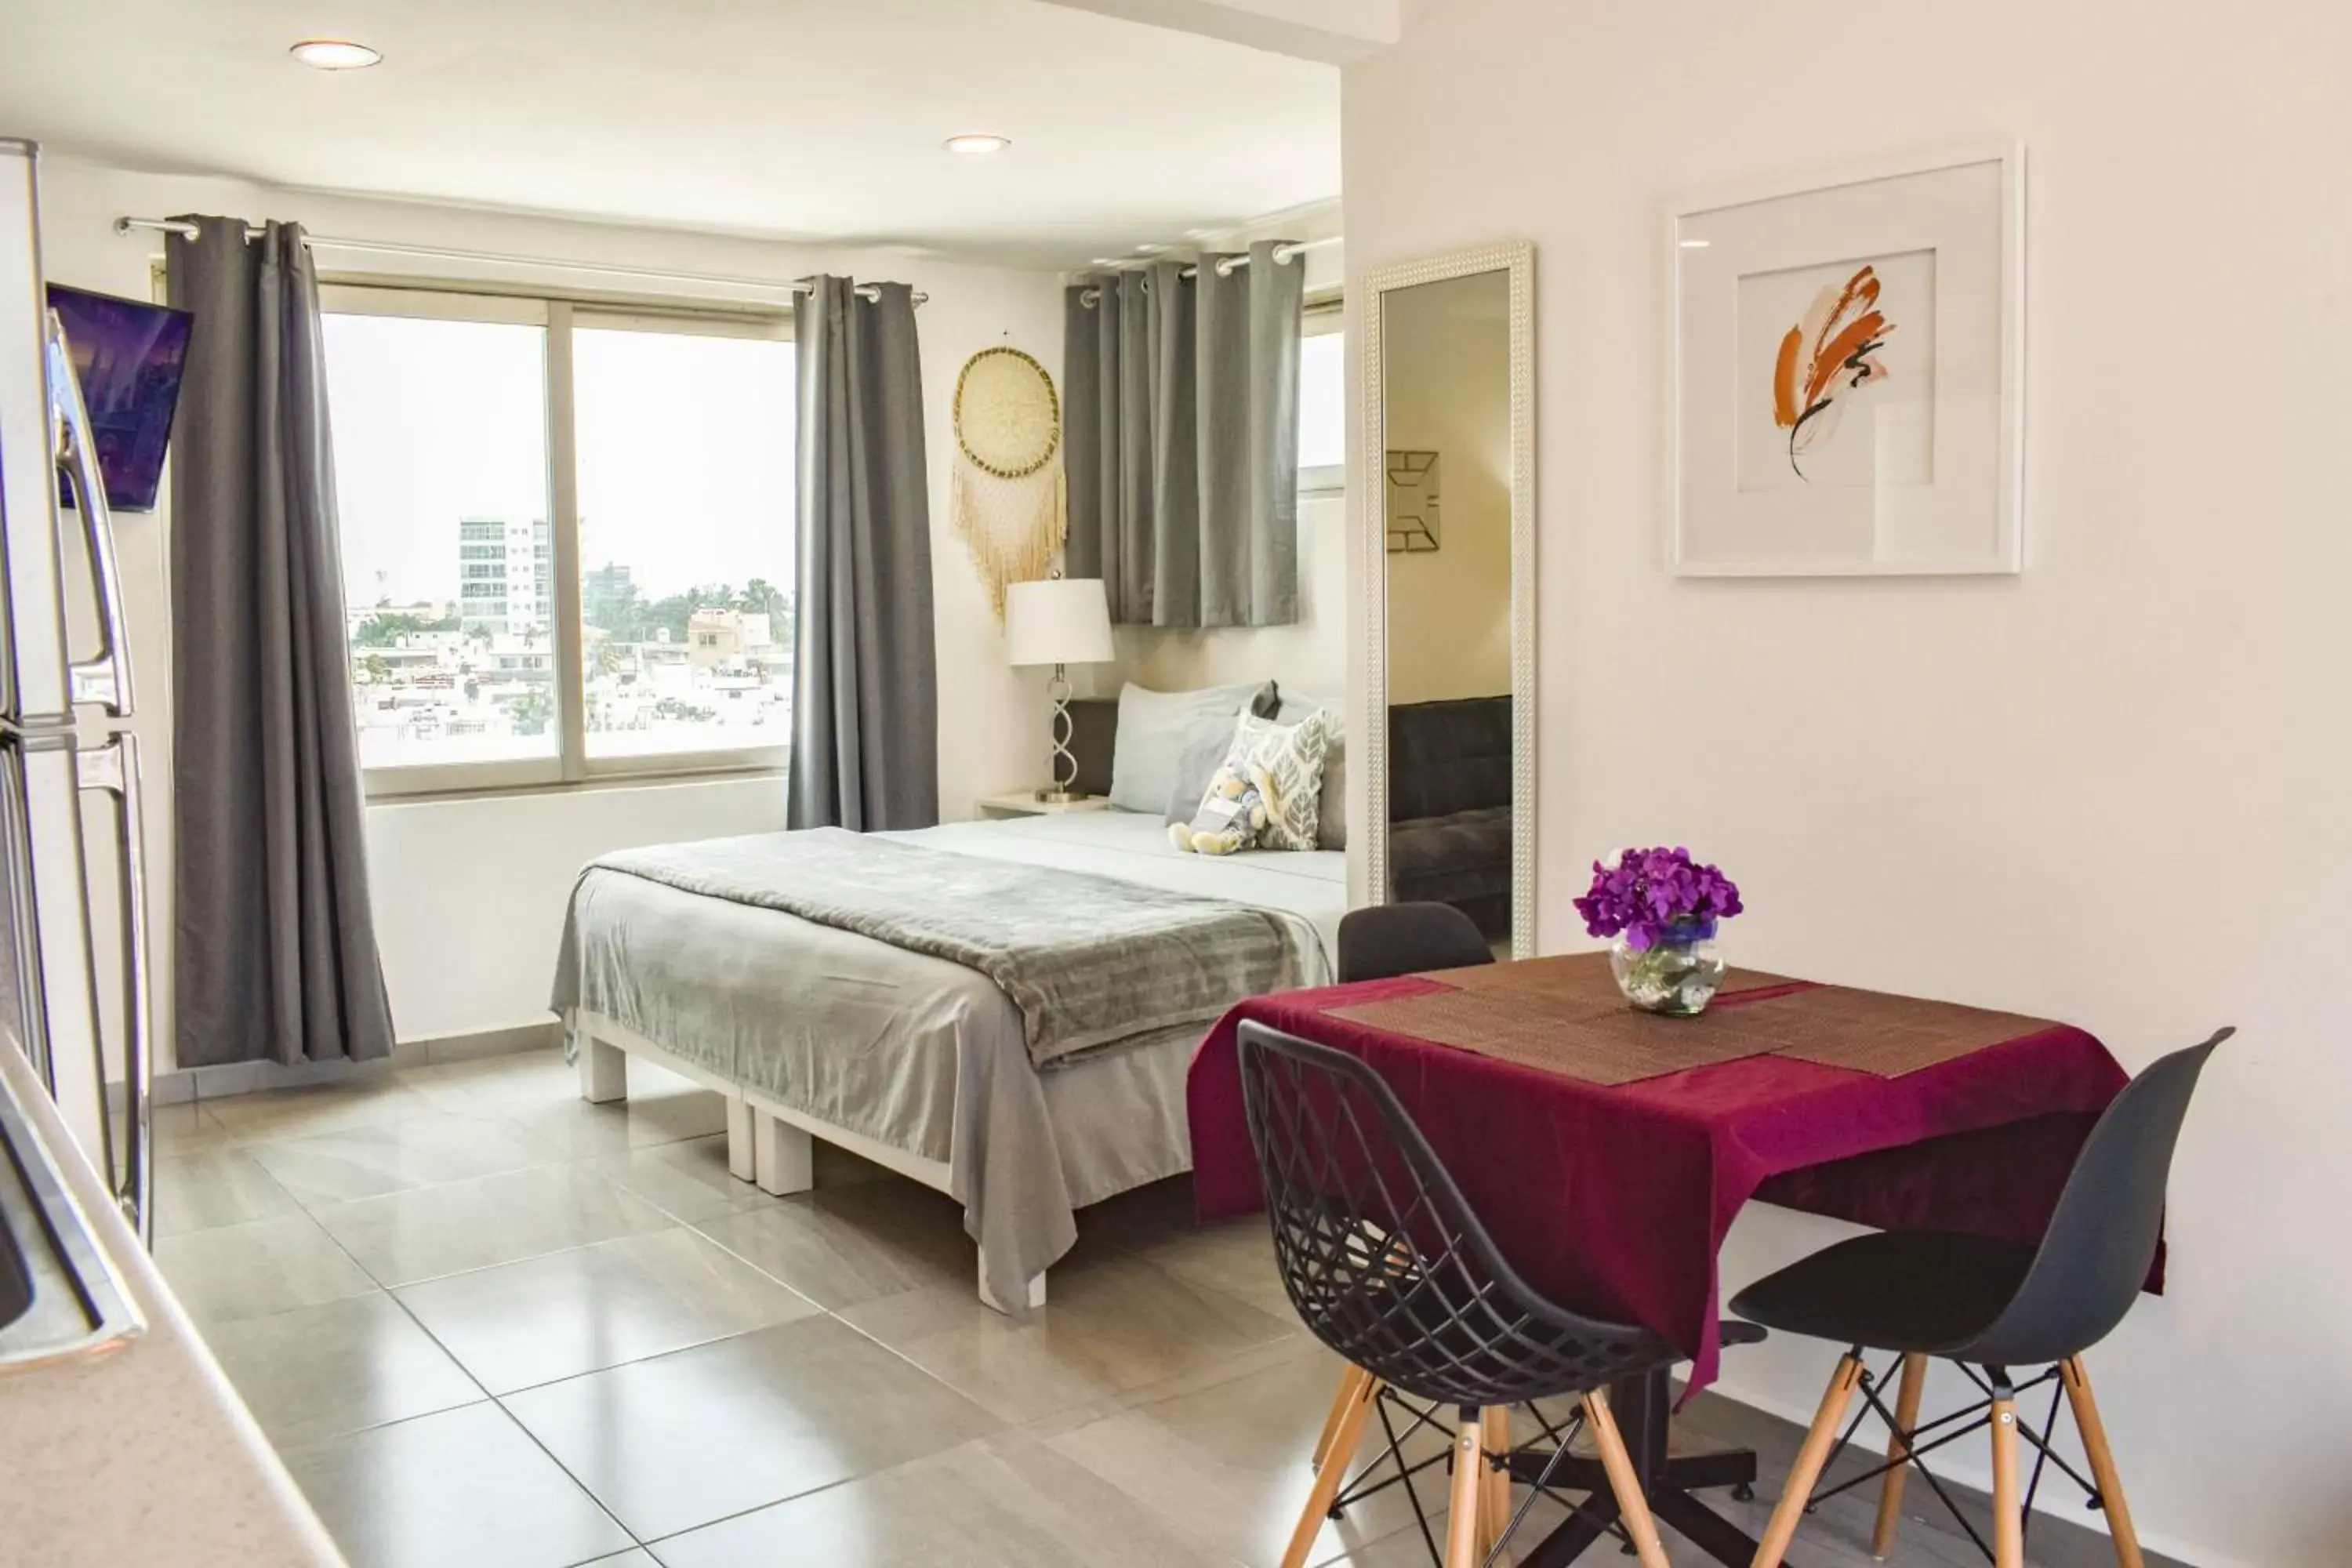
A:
[(1292, 756), (1331, 827), (1151, 733)]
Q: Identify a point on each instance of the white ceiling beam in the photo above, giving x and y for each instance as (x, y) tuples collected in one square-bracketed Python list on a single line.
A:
[(1335, 31)]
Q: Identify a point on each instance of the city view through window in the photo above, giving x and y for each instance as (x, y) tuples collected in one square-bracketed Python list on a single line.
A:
[(684, 499)]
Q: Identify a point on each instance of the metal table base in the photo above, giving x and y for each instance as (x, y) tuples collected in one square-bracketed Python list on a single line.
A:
[(1643, 1407)]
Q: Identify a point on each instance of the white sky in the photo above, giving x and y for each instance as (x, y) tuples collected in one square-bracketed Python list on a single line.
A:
[(685, 444)]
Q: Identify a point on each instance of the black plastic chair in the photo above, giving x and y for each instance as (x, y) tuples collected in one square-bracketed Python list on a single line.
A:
[(1387, 1265), (1383, 940), (1989, 1305)]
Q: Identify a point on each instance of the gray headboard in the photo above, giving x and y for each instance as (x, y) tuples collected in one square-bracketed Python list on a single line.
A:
[(1094, 728)]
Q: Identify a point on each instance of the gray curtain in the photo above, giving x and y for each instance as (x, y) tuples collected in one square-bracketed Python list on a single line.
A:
[(275, 954), (1180, 409), (865, 675)]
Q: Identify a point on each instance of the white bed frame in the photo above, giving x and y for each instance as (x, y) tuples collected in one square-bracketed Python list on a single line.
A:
[(768, 1142)]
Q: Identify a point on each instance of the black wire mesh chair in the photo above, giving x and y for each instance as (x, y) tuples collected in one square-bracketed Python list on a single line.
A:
[(1987, 1306), (1387, 1265), (1378, 942)]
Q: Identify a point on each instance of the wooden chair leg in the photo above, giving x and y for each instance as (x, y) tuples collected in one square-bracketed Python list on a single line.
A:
[(1810, 1457), (1495, 1490), (1890, 1490), (1466, 1508), (2008, 1516), (1337, 1457), (2102, 1461), (1632, 1503), (1352, 1387)]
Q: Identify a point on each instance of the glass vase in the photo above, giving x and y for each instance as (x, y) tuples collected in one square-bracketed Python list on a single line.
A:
[(1675, 975)]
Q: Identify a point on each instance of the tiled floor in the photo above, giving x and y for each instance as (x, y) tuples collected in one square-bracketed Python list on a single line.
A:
[(490, 1326)]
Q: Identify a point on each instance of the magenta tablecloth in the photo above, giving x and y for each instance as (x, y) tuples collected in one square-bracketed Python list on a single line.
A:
[(1615, 1200)]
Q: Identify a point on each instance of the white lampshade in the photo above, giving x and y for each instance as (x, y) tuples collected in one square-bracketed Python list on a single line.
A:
[(1063, 620)]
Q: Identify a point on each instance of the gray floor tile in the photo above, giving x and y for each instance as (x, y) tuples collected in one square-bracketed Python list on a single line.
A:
[(216, 1186), (464, 1488), (183, 1127), (689, 1179), (1229, 1461), (689, 1438), (261, 1267), (495, 1084), (1000, 1503), (404, 1238), (1107, 1328), (593, 1307), (367, 1101), (1235, 1258), (581, 1129), (319, 1372), (856, 1243), (368, 1161)]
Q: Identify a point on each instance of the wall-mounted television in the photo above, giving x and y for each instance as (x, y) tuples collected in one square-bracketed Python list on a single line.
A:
[(130, 356)]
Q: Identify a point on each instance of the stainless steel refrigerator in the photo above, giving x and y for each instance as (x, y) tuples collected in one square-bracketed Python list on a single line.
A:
[(62, 740)]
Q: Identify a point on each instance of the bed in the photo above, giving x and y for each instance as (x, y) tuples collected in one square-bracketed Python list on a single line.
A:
[(916, 1061)]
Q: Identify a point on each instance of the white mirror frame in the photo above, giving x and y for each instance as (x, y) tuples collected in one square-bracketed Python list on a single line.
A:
[(1518, 261)]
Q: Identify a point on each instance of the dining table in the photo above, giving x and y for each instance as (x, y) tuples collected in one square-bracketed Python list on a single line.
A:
[(1608, 1150)]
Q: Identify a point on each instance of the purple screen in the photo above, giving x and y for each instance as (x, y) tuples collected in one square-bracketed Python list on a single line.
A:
[(129, 357)]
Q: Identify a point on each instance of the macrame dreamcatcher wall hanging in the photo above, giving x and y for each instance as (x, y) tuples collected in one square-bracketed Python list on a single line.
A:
[(1008, 501)]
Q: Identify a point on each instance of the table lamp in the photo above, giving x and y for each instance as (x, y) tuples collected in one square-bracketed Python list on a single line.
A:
[(1060, 621)]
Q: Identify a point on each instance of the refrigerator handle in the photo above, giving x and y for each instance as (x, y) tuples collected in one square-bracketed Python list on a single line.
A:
[(114, 768), (103, 679)]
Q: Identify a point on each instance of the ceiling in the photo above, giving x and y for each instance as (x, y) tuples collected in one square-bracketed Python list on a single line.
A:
[(806, 119)]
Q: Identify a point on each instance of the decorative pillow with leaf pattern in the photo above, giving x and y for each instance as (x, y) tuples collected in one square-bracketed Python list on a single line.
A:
[(1291, 758)]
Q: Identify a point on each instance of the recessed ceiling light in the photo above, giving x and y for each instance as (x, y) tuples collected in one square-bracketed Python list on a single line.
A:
[(978, 142), (1150, 247), (335, 55), (1696, 244)]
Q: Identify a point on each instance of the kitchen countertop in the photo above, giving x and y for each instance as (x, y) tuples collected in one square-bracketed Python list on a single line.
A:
[(142, 1453)]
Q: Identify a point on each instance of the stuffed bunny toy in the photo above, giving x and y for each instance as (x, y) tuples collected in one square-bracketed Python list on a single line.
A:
[(1232, 815)]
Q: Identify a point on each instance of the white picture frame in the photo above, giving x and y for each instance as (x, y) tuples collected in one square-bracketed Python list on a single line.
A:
[(1848, 367)]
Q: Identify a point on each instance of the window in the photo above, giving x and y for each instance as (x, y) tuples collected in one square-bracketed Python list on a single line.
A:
[(1323, 404), (686, 545), (475, 661)]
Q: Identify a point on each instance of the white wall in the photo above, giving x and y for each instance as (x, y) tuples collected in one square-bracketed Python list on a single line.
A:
[(1447, 348), (456, 959), (2111, 790)]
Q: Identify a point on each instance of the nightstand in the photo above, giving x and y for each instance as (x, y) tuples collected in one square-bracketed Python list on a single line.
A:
[(1024, 802)]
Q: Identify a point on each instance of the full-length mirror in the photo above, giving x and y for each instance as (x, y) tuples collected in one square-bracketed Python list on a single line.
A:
[(1449, 518)]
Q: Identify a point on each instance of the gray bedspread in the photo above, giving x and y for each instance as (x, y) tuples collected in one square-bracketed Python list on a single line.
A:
[(1089, 960), (918, 1053)]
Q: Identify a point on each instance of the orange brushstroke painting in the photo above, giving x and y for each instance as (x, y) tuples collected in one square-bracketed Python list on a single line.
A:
[(1830, 353)]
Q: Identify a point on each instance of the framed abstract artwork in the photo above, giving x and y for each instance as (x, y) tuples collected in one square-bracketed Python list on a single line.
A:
[(1848, 367)]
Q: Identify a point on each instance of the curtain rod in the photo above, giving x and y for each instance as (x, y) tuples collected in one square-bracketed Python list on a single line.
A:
[(1283, 253), (439, 253)]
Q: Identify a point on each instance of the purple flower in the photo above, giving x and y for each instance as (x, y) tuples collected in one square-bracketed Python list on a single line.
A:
[(1648, 894)]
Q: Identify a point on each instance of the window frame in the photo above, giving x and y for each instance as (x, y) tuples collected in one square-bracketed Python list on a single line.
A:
[(1322, 319), (559, 316)]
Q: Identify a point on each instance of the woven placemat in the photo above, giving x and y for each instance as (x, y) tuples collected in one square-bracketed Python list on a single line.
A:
[(1872, 1032), (1566, 1015), (1604, 1043)]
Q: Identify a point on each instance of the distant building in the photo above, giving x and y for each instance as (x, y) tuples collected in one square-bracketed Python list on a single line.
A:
[(506, 575), (605, 590), (716, 636)]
